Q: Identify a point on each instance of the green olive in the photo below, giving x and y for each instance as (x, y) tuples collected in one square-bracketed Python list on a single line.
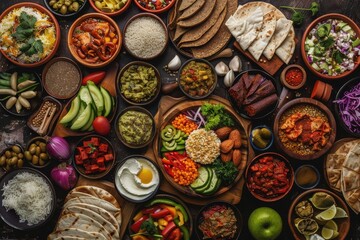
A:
[(56, 6), (8, 160), (7, 168), (2, 160), (13, 161), (98, 4), (67, 3), (32, 149), (35, 160), (8, 154), (52, 2), (37, 150), (16, 149), (20, 155), (20, 163), (14, 154), (42, 147), (41, 162), (74, 7), (44, 156), (37, 143), (28, 155), (63, 9)]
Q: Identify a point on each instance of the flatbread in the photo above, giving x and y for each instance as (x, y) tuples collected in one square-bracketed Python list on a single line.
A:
[(199, 17), (198, 32), (94, 201), (174, 15), (353, 159), (179, 31), (220, 39), (353, 199), (192, 10), (263, 38), (350, 180), (185, 4), (287, 48), (282, 29), (209, 34), (74, 232), (69, 238)]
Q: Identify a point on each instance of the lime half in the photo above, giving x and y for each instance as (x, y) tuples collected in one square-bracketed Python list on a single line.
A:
[(328, 214), (322, 200), (340, 213)]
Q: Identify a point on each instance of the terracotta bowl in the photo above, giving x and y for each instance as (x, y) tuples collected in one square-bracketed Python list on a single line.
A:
[(304, 102), (290, 176), (343, 223), (344, 18), (69, 14), (141, 15), (73, 49), (119, 85), (111, 14), (137, 2), (57, 30), (283, 78)]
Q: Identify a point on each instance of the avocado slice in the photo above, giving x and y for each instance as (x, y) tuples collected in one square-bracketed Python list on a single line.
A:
[(97, 97), (85, 95), (90, 121), (83, 118), (73, 111), (107, 101)]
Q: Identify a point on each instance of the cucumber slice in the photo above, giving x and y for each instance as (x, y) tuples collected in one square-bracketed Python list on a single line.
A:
[(214, 184), (206, 186), (165, 136), (82, 119), (107, 101), (202, 179), (177, 135), (73, 111)]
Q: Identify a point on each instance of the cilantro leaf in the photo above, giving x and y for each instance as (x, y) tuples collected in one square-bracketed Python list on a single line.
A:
[(26, 20), (327, 42), (35, 47), (26, 27), (338, 56)]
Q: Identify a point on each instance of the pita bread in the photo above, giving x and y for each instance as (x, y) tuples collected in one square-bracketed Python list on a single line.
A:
[(353, 199), (69, 238), (287, 48), (263, 38), (193, 9), (94, 201), (97, 192), (350, 180), (282, 29), (200, 16), (353, 159), (185, 4), (199, 31), (74, 232), (174, 15)]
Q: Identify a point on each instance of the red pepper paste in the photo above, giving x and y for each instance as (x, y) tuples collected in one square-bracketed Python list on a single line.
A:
[(294, 76)]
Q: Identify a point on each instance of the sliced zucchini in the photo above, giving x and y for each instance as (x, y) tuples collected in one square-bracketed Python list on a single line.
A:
[(202, 179)]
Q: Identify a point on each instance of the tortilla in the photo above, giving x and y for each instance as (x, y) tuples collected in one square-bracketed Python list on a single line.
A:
[(209, 34), (179, 31), (174, 15), (74, 232), (220, 39), (282, 29), (94, 201), (192, 10), (262, 39), (287, 48), (185, 4), (353, 159), (198, 32), (199, 17)]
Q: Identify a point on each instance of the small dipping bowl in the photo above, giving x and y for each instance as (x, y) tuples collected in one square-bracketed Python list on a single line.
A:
[(294, 73), (270, 139), (307, 177)]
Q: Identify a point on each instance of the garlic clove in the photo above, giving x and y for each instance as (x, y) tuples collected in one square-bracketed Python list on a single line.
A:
[(235, 64), (174, 64), (221, 69), (229, 78)]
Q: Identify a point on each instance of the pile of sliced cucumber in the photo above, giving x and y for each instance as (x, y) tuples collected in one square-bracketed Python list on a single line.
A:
[(207, 182), (91, 101), (172, 139)]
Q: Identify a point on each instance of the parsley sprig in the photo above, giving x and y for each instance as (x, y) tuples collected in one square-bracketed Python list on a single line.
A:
[(298, 17)]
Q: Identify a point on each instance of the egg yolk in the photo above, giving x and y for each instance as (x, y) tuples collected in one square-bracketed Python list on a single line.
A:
[(145, 175)]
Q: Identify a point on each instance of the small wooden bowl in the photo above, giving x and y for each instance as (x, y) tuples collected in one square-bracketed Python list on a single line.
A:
[(71, 14), (109, 165), (345, 88), (199, 218), (137, 2), (73, 49), (57, 30), (33, 140), (119, 85), (156, 18), (321, 107), (343, 223), (111, 14), (344, 18), (283, 78), (77, 82), (290, 176), (211, 90), (120, 137)]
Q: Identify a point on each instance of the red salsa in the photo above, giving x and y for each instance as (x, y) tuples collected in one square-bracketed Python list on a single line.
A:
[(294, 76), (154, 4)]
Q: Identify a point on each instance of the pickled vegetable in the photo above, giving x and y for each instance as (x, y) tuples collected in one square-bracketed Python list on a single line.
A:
[(304, 209), (261, 137), (109, 6)]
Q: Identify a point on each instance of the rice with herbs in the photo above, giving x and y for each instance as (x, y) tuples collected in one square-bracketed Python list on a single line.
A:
[(203, 146)]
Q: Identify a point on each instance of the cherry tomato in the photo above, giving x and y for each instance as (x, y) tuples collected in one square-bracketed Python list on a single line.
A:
[(96, 77), (101, 125)]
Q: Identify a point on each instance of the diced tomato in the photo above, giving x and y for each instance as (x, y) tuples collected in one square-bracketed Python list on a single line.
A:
[(175, 234), (95, 141), (103, 147), (100, 160), (169, 218), (108, 157), (83, 155)]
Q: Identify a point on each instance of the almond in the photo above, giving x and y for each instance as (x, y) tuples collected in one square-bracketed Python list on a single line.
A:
[(226, 146), (223, 132), (236, 157), (236, 137), (226, 157)]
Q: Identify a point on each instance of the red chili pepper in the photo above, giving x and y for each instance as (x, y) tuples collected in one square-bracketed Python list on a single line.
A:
[(162, 213), (167, 230), (169, 170), (175, 234), (166, 161), (136, 226), (95, 77)]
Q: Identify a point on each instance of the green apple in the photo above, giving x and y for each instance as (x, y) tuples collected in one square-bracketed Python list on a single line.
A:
[(265, 224)]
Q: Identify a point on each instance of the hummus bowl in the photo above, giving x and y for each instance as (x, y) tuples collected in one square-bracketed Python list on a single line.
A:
[(137, 178)]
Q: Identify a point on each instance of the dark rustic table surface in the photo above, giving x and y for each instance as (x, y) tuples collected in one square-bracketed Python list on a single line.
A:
[(14, 130)]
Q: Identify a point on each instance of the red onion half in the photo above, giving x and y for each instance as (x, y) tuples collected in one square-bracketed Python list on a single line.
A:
[(58, 148)]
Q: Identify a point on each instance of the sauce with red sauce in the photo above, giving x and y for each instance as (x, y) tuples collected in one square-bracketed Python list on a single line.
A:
[(294, 76)]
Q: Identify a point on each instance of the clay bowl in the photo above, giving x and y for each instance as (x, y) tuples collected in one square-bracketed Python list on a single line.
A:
[(57, 30), (301, 104), (68, 14), (343, 223), (211, 89), (325, 17), (156, 18), (119, 85), (111, 14), (290, 176), (283, 77), (345, 88), (156, 11), (73, 49)]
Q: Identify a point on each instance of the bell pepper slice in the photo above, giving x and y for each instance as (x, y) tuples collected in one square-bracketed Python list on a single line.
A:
[(181, 218), (137, 225), (170, 208), (160, 214), (167, 230), (138, 216), (169, 218), (184, 230), (172, 203), (175, 234)]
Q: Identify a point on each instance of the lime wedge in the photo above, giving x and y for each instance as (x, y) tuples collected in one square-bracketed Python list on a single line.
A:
[(327, 233), (340, 213), (328, 214), (322, 200), (331, 224)]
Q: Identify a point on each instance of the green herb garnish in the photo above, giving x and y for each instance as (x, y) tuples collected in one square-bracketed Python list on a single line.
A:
[(216, 116), (298, 17), (226, 171)]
